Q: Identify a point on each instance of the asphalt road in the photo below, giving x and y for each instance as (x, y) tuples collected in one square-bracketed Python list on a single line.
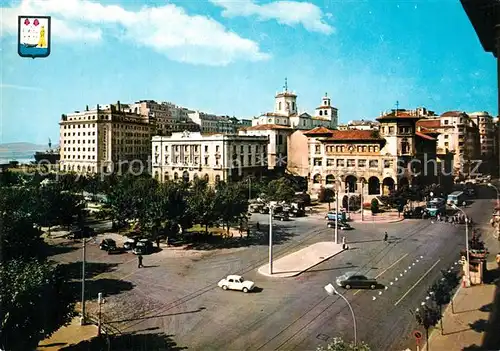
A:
[(179, 296)]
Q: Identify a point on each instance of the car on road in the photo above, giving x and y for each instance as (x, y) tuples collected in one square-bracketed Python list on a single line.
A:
[(236, 282), (341, 225), (107, 244), (354, 280), (115, 250), (143, 247), (80, 233), (295, 212), (264, 210), (129, 244), (281, 216)]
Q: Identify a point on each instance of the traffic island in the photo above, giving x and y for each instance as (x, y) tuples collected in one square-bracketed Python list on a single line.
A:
[(300, 261)]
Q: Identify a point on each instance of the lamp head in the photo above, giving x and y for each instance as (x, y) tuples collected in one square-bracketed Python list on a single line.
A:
[(489, 184), (330, 290)]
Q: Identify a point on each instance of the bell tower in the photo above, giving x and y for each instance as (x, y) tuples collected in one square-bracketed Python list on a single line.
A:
[(285, 102)]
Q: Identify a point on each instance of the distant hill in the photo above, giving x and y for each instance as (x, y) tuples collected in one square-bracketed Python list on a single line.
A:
[(20, 151)]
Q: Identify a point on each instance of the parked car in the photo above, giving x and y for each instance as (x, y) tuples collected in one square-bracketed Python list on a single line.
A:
[(129, 244), (143, 247), (115, 250), (236, 282), (264, 210), (281, 216), (341, 225), (80, 233), (354, 280), (331, 216), (295, 212), (107, 244), (416, 213), (255, 208)]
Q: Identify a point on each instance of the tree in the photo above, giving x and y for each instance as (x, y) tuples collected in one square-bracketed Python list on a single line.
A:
[(374, 206), (326, 195), (339, 344), (35, 303), (203, 204), (280, 190), (354, 202), (441, 295), (427, 316), (231, 203)]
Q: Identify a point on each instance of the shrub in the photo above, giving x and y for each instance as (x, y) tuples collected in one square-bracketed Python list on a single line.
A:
[(374, 206)]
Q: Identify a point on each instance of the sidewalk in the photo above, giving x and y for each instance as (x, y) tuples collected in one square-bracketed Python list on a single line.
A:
[(71, 334), (469, 324), (300, 261)]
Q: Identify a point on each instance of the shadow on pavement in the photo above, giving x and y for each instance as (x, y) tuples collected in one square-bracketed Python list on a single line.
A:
[(203, 241), (328, 269), (157, 316), (54, 250), (491, 340), (128, 342), (74, 269), (105, 286)]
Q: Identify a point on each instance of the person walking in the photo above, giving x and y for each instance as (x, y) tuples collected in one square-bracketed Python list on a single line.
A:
[(139, 264), (386, 237), (258, 226)]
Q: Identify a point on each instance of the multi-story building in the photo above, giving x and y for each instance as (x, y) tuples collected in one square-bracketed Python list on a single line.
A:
[(165, 117), (281, 123), (395, 156), (106, 139), (216, 157), (361, 125), (218, 124), (459, 135), (487, 137)]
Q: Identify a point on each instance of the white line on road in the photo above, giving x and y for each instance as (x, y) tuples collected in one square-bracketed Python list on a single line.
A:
[(385, 270), (418, 281)]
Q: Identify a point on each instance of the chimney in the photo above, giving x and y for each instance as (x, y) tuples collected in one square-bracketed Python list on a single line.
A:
[(118, 106)]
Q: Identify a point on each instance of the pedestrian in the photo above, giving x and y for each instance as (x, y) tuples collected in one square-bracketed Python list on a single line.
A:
[(258, 226), (438, 217), (386, 236), (139, 264)]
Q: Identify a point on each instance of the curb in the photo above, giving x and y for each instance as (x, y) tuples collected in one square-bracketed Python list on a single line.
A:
[(276, 275)]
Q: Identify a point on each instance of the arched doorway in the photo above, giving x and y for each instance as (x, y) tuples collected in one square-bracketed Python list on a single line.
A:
[(387, 186), (330, 179), (217, 178), (176, 176), (185, 176), (166, 176), (403, 183), (345, 201), (373, 186), (206, 177), (317, 178), (351, 184)]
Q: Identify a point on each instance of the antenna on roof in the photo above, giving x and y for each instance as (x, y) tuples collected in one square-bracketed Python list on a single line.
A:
[(397, 107), (286, 85)]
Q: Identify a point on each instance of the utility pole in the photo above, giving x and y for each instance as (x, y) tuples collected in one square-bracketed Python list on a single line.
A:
[(362, 208), (100, 302), (337, 193), (82, 319), (270, 240), (249, 188)]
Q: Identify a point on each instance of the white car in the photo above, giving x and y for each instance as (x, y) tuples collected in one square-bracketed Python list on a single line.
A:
[(236, 282)]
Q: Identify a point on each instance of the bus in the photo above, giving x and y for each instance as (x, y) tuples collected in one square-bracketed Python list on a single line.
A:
[(436, 206), (456, 198)]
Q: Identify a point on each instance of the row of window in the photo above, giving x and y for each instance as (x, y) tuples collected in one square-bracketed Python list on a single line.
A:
[(73, 141), (195, 161), (78, 134), (114, 125), (196, 148), (78, 157), (344, 148), (361, 163)]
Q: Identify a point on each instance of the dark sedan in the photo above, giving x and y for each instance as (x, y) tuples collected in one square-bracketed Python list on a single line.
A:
[(282, 216), (341, 225), (108, 244), (355, 280)]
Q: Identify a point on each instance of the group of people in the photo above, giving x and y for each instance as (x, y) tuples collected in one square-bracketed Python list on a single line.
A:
[(458, 218)]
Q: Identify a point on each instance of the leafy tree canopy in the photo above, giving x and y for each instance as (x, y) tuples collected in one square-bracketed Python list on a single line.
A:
[(339, 344), (35, 303)]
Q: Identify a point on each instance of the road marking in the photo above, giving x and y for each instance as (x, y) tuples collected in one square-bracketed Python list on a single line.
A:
[(418, 281), (385, 270)]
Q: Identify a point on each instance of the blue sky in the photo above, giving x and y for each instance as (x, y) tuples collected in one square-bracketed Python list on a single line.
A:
[(230, 57)]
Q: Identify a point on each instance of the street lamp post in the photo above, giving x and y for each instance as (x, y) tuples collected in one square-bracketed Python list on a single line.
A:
[(82, 319), (361, 198), (498, 192), (337, 192), (330, 289), (466, 241), (270, 240)]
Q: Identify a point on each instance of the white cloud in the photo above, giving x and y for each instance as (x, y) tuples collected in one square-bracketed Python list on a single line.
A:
[(290, 13), (167, 29), (18, 87)]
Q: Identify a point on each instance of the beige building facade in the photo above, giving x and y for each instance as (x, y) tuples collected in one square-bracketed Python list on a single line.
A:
[(216, 157), (103, 139), (365, 161)]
